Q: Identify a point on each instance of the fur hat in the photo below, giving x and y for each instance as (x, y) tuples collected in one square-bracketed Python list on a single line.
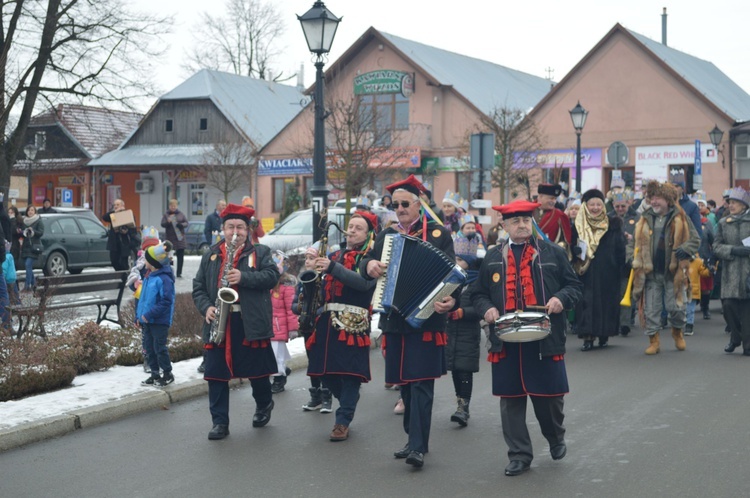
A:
[(665, 190), (592, 194), (549, 189)]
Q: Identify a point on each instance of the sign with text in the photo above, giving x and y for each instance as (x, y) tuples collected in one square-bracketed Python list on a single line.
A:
[(282, 167), (664, 155), (384, 81), (546, 159), (67, 197)]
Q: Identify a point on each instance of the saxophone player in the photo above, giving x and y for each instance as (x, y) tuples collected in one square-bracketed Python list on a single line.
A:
[(245, 350)]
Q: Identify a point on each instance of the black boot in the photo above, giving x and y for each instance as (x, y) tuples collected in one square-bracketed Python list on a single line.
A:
[(326, 397), (587, 346), (316, 402), (462, 412), (278, 384), (262, 415)]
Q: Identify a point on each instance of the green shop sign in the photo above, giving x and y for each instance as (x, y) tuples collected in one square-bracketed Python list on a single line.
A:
[(384, 81)]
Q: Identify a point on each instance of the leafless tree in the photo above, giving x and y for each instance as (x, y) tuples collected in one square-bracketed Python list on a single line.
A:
[(98, 52), (229, 166), (241, 41), (517, 140)]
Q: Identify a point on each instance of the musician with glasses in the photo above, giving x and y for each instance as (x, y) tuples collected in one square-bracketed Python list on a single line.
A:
[(526, 274), (339, 347), (414, 358), (245, 351)]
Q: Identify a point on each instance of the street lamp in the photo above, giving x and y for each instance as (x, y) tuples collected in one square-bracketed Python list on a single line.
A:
[(319, 26), (716, 135), (30, 150), (578, 115)]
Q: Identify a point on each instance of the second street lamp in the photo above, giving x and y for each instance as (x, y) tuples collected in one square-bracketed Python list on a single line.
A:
[(578, 115), (319, 26), (30, 150)]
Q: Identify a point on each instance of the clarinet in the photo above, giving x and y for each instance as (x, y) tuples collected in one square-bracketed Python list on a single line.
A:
[(225, 297)]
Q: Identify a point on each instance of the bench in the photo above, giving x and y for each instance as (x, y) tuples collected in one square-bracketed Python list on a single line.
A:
[(48, 289)]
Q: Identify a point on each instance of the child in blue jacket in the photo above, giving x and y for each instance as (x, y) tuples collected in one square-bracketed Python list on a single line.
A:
[(154, 314)]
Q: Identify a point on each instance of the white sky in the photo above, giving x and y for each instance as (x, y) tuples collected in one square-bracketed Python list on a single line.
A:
[(528, 36)]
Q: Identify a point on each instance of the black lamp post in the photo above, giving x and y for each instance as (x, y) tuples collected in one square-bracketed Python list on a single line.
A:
[(319, 26), (578, 115), (716, 135), (30, 150)]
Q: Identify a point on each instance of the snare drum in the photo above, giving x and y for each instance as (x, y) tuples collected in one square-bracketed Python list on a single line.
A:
[(522, 326)]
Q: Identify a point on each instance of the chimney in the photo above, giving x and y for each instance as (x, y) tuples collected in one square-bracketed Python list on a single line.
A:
[(301, 77), (664, 27)]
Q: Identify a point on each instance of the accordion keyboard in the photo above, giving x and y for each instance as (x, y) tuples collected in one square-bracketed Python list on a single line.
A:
[(385, 257)]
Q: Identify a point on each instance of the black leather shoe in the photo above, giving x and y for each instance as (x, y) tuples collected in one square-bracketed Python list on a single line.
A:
[(516, 467), (730, 347), (403, 452), (587, 346), (558, 451), (603, 343), (415, 458), (624, 330), (218, 432), (262, 415)]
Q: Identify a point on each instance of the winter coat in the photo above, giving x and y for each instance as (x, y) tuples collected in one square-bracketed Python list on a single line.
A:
[(284, 321), (213, 224), (254, 288), (15, 237), (464, 336), (692, 212), (734, 269), (121, 241), (175, 231), (35, 241), (553, 277), (597, 313), (156, 303)]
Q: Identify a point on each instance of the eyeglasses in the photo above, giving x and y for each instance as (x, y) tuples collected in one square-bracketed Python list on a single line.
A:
[(403, 204)]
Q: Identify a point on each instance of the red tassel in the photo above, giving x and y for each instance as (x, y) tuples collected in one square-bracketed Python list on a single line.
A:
[(493, 357), (350, 340), (441, 338), (360, 341), (310, 340), (342, 335), (247, 343), (208, 346), (427, 336), (558, 357), (382, 342), (367, 341)]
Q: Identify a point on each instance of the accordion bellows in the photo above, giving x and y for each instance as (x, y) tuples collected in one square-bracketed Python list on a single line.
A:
[(418, 275)]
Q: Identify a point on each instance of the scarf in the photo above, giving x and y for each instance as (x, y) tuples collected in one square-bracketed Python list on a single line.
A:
[(30, 220), (591, 229)]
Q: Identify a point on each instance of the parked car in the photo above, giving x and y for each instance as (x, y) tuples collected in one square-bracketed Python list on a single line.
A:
[(71, 242), (195, 238)]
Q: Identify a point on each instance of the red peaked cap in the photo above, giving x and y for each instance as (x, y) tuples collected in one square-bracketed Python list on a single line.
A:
[(237, 212), (517, 208), (411, 184), (370, 218)]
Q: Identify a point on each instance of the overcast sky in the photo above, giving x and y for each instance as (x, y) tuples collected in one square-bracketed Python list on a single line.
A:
[(528, 36)]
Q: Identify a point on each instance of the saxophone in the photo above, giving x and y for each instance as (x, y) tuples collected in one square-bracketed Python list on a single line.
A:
[(225, 297), (312, 281)]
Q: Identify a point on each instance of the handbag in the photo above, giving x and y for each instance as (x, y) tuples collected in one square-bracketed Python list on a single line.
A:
[(37, 249)]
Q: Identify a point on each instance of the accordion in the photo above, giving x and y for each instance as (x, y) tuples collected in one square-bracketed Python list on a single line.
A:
[(418, 276)]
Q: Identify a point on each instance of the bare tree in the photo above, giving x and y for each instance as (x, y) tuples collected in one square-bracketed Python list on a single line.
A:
[(241, 41), (87, 51), (518, 140), (229, 166)]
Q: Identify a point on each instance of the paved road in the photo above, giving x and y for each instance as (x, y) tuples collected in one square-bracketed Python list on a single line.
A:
[(670, 425)]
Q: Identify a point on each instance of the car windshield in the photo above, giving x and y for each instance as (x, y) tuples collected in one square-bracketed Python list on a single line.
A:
[(298, 225)]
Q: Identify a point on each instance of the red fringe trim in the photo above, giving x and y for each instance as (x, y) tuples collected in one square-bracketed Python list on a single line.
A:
[(310, 340), (495, 357), (558, 357), (342, 335), (427, 336), (512, 278), (258, 343)]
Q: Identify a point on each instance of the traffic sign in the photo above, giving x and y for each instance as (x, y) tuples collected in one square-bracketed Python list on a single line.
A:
[(617, 154), (481, 203), (67, 197)]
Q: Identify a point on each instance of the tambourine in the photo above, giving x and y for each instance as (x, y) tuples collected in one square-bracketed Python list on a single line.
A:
[(522, 326)]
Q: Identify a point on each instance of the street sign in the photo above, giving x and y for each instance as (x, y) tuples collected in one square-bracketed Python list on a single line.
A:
[(67, 197), (482, 151), (617, 154), (481, 203), (486, 181), (484, 220), (698, 167)]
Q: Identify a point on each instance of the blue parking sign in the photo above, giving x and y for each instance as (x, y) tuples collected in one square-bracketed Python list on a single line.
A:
[(67, 197), (698, 164)]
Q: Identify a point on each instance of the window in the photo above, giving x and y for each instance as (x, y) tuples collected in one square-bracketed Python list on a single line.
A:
[(197, 199), (203, 125), (281, 188), (55, 228), (168, 125), (92, 228), (389, 111), (68, 226), (40, 140)]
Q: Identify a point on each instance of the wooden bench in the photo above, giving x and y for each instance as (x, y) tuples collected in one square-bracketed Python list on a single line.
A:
[(48, 289)]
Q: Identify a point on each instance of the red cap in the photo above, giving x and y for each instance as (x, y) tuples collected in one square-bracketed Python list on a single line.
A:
[(517, 208), (233, 211), (370, 218), (411, 184)]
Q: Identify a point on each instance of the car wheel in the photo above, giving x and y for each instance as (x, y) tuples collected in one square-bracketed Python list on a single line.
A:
[(56, 265), (75, 271), (203, 248)]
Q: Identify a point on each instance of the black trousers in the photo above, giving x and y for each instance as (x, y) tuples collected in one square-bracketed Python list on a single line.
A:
[(737, 315), (218, 398), (417, 397), (549, 413), (180, 254)]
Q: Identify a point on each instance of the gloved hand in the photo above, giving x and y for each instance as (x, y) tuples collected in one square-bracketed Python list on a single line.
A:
[(576, 250), (456, 315), (682, 254), (741, 251)]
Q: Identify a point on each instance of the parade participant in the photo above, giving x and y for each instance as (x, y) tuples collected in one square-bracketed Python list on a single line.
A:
[(414, 358), (553, 222), (320, 397), (285, 322), (213, 222), (450, 215), (340, 344), (245, 350), (175, 224), (622, 207), (463, 330), (729, 247), (122, 242), (665, 240), (519, 273), (597, 312)]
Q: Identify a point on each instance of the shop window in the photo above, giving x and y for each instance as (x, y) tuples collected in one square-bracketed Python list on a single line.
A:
[(281, 188), (197, 199), (169, 125)]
